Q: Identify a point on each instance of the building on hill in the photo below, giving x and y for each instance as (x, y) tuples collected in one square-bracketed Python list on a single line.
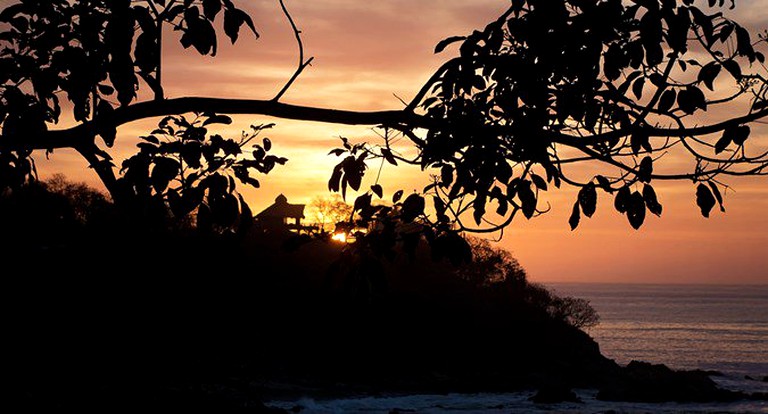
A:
[(281, 216)]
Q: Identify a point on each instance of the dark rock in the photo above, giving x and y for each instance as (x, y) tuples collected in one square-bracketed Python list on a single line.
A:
[(645, 382), (554, 394), (709, 373), (765, 378)]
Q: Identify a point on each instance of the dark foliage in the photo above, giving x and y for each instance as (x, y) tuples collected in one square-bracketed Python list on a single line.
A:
[(43, 215), (181, 171), (94, 54), (610, 83)]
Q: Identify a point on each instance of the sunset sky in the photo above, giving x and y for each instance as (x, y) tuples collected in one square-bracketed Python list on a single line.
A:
[(366, 52)]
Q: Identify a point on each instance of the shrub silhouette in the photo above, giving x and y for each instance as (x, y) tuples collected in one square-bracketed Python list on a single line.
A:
[(495, 270), (42, 215), (89, 206)]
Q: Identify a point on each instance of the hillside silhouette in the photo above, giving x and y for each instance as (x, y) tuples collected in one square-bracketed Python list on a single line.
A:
[(170, 317)]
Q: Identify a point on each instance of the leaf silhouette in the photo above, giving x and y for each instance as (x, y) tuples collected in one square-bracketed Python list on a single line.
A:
[(217, 119), (718, 196), (622, 199), (651, 201), (573, 220), (708, 73), (527, 198), (445, 42), (645, 170), (636, 210), (396, 197), (667, 100), (376, 188), (211, 8), (704, 199), (588, 199), (413, 206)]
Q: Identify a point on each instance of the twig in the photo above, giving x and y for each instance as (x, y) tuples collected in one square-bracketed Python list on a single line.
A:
[(302, 63), (400, 99)]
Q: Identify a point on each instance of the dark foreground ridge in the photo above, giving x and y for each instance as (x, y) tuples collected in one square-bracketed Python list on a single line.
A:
[(189, 324)]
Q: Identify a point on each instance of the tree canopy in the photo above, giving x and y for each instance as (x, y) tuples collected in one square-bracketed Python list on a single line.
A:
[(547, 86)]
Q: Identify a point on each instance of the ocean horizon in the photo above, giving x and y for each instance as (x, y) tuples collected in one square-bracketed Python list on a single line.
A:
[(721, 327)]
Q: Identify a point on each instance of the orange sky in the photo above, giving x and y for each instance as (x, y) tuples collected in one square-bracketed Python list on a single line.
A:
[(367, 52)]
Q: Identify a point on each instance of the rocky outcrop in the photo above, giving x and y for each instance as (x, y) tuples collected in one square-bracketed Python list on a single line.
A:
[(646, 382)]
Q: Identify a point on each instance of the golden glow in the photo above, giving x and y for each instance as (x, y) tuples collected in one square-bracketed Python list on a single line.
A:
[(339, 237)]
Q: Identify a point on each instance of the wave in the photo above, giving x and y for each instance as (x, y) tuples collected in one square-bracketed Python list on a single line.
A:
[(517, 402)]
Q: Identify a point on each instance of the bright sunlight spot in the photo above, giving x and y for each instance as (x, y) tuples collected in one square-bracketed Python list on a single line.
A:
[(340, 237)]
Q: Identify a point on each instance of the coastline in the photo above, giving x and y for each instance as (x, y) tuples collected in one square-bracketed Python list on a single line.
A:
[(731, 377)]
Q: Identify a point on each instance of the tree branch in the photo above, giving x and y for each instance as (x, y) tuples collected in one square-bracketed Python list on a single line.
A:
[(102, 166), (78, 135), (572, 140), (154, 83)]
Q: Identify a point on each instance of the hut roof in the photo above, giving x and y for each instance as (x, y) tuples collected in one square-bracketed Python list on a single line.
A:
[(281, 208)]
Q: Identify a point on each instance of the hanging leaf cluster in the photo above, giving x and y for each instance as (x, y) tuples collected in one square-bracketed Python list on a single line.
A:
[(183, 169)]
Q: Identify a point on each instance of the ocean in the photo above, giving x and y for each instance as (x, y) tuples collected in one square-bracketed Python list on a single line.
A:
[(710, 327)]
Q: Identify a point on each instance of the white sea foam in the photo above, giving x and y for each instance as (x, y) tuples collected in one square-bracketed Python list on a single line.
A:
[(501, 403)]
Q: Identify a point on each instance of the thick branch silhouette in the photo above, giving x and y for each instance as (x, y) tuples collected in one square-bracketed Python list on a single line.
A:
[(80, 134), (77, 135)]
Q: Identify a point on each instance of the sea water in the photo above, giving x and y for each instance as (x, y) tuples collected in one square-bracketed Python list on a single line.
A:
[(710, 327), (721, 328)]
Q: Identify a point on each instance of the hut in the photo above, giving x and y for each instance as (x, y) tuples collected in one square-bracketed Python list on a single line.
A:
[(281, 215)]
